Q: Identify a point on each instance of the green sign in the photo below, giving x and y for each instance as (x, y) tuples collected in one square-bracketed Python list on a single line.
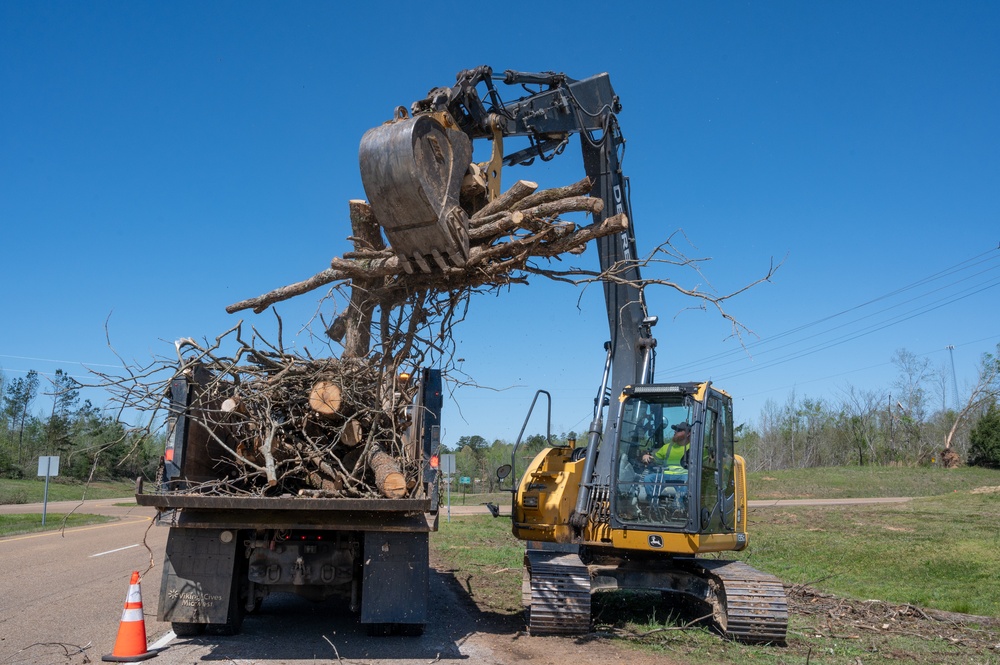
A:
[(465, 480)]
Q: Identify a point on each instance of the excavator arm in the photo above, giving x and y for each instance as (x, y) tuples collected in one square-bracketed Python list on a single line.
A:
[(412, 169)]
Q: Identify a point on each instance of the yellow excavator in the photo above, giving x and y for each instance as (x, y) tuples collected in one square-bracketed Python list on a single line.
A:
[(658, 482)]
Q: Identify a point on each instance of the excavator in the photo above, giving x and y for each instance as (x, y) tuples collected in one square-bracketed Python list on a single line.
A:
[(658, 485)]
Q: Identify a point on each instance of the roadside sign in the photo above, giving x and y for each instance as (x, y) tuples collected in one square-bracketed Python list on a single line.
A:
[(448, 464), (465, 480), (48, 465)]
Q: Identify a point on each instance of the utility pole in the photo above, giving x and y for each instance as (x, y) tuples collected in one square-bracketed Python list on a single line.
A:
[(954, 380)]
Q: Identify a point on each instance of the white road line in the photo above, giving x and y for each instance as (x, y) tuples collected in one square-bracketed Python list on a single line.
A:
[(162, 642), (113, 551)]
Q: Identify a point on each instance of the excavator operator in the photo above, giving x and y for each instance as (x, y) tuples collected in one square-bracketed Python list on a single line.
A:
[(674, 452), (671, 480)]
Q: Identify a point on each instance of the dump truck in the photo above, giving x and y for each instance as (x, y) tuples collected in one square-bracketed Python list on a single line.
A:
[(226, 553)]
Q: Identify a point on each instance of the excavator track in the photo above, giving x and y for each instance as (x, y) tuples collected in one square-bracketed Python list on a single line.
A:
[(753, 604), (559, 594)]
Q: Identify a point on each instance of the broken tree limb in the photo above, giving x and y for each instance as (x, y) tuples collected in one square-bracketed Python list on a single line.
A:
[(580, 238), (367, 234), (517, 191), (358, 316), (579, 188), (262, 302), (376, 276)]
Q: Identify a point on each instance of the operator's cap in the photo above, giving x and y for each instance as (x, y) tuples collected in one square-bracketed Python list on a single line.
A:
[(681, 427)]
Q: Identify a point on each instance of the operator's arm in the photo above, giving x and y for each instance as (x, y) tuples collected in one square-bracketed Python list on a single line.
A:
[(660, 454)]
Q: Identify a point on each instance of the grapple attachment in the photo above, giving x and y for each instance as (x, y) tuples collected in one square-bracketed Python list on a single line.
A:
[(412, 170)]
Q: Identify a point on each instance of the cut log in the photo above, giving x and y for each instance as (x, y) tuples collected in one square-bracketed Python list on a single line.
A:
[(389, 480), (352, 433), (325, 398), (234, 405)]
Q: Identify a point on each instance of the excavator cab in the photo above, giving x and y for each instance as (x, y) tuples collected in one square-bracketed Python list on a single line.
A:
[(676, 466), (651, 477)]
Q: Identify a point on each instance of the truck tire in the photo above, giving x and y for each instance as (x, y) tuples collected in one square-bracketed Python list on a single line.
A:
[(238, 593), (410, 629), (187, 629)]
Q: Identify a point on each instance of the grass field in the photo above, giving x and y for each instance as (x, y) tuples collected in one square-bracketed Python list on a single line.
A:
[(858, 482), (938, 552), (30, 490), (12, 525)]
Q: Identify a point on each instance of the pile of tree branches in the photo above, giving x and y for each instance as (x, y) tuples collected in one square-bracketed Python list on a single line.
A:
[(267, 422)]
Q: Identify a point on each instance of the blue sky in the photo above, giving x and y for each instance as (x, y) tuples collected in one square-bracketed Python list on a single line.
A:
[(159, 161)]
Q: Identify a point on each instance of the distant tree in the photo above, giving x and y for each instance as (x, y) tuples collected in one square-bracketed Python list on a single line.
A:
[(913, 374), (17, 399), (65, 393), (984, 393), (910, 387), (984, 440), (862, 423)]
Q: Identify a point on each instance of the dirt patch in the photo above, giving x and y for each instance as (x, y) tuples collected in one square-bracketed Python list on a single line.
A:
[(986, 490), (840, 618)]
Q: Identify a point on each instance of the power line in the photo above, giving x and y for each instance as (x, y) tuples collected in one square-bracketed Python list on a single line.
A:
[(51, 360), (734, 356), (875, 327), (864, 369)]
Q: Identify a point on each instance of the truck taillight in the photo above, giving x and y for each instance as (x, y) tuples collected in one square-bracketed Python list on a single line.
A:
[(434, 461), (168, 454)]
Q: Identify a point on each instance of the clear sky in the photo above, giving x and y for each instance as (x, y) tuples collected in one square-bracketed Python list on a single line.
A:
[(159, 161)]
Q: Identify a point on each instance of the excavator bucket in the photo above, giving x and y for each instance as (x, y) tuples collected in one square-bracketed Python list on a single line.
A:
[(412, 170)]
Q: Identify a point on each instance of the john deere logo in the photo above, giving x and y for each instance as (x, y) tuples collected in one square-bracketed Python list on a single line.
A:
[(655, 541)]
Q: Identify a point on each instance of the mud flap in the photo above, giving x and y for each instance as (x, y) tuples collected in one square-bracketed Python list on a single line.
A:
[(395, 582), (198, 577)]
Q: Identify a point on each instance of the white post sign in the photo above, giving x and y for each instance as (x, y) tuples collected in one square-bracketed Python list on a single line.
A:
[(448, 469), (48, 466)]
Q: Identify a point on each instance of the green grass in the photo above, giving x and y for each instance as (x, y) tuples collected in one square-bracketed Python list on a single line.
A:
[(12, 525), (482, 549), (857, 482), (33, 490), (940, 551), (937, 552)]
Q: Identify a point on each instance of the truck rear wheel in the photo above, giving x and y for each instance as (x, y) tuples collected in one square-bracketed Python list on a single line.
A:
[(387, 629), (187, 629), (238, 594)]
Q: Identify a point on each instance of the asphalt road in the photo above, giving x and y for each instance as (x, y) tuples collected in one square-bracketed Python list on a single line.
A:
[(65, 591)]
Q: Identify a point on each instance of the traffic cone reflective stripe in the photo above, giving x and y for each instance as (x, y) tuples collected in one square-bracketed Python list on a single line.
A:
[(130, 645)]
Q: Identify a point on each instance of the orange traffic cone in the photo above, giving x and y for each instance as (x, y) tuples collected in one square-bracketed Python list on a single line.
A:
[(130, 646)]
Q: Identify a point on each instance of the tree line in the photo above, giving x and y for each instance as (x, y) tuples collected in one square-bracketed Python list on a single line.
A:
[(907, 423), (42, 415)]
